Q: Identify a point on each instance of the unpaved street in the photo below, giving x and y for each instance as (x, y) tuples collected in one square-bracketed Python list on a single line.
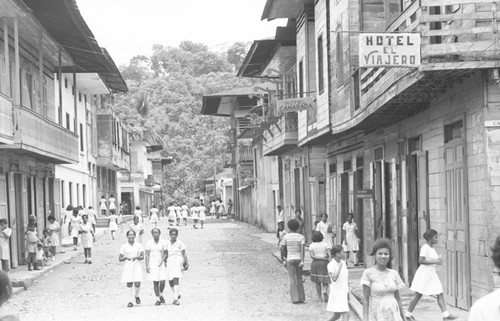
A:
[(232, 276)]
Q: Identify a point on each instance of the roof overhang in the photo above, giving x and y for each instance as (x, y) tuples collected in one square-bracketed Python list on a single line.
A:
[(276, 9), (63, 21), (90, 83)]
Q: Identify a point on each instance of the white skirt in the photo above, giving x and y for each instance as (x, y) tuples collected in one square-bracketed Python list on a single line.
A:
[(202, 217), (132, 272), (87, 242), (74, 232), (113, 226), (337, 301), (157, 272), (54, 238), (426, 281), (154, 219), (175, 267)]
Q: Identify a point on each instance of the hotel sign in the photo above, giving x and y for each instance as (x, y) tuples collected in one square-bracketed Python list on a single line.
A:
[(389, 50), (295, 104)]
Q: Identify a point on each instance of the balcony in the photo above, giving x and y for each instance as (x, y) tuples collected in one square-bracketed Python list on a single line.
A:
[(457, 38), (39, 137), (113, 151), (282, 136), (245, 154), (6, 131)]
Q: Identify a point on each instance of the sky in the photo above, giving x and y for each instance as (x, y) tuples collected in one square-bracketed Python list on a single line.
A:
[(130, 27)]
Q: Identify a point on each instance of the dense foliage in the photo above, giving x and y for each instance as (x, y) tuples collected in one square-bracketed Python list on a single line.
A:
[(165, 95)]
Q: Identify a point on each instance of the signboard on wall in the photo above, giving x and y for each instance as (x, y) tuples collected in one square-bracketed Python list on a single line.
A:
[(389, 50), (364, 193), (295, 104)]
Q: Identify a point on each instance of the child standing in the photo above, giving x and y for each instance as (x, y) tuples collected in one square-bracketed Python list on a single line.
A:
[(54, 229), (47, 243), (426, 280), (339, 289), (280, 233), (5, 233), (39, 256), (87, 234), (320, 255), (113, 223), (92, 217), (31, 241), (74, 226)]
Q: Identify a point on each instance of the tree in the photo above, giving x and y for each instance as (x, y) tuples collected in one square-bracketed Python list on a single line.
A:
[(237, 53)]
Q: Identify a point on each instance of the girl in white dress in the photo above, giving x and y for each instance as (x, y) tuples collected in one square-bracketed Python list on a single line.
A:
[(201, 213), (54, 229), (112, 203), (184, 213), (102, 206), (153, 216), (171, 215), (350, 238), (195, 215), (426, 280), (74, 226), (113, 223), (177, 262), (65, 221), (339, 288), (155, 266), (132, 253), (138, 213), (87, 235), (326, 229), (138, 228)]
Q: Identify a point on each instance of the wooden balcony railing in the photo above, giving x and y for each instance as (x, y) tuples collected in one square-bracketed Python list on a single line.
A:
[(245, 154), (6, 130), (455, 34), (39, 135)]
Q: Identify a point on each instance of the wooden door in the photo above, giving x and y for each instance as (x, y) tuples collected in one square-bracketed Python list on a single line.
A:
[(359, 211), (412, 216), (422, 196), (344, 197), (378, 199), (20, 201), (457, 247)]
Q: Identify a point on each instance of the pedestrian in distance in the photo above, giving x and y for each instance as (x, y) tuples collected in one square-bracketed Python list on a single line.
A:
[(350, 240), (39, 256), (280, 233), (87, 235), (221, 210), (298, 218), (155, 266), (184, 213), (81, 211), (138, 228), (339, 288), (487, 308), (47, 244), (229, 207), (139, 214), (195, 215), (171, 215), (153, 216), (55, 237), (381, 285), (280, 215), (202, 214), (177, 262), (292, 256), (92, 217), (426, 281), (326, 229), (132, 253), (65, 221), (5, 295), (74, 227), (321, 256), (103, 206), (112, 203), (5, 233), (178, 214), (113, 223), (31, 241), (212, 208)]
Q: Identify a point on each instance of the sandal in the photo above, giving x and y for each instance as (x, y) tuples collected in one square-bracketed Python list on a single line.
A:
[(130, 304), (176, 302), (162, 300), (158, 302), (137, 300)]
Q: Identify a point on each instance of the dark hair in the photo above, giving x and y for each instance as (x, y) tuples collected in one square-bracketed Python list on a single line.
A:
[(90, 207), (46, 231), (324, 214), (429, 234), (31, 225), (3, 221), (75, 211), (155, 229), (382, 244), (336, 249), (69, 208), (298, 211), (112, 211), (137, 207), (293, 224), (173, 230), (496, 252), (39, 245), (350, 214), (85, 215), (132, 232), (111, 195), (317, 236), (154, 206)]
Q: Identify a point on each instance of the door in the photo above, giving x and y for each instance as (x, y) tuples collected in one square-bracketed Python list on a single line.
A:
[(296, 180), (4, 205), (359, 211), (457, 247), (412, 216), (344, 197), (20, 193), (378, 199)]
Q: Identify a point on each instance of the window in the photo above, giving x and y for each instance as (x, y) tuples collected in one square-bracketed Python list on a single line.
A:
[(98, 171), (321, 84), (28, 89), (333, 168), (379, 153), (301, 79), (453, 131), (414, 144), (68, 123), (347, 165), (78, 194), (63, 201), (84, 196), (70, 190), (81, 137), (339, 57)]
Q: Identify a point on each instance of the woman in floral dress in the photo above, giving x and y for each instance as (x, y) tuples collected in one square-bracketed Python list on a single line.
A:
[(381, 300)]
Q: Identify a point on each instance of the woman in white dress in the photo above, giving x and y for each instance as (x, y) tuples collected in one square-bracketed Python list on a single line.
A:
[(202, 214), (113, 223), (426, 280), (184, 213), (112, 203), (326, 229), (153, 216), (65, 221), (55, 240), (195, 215), (350, 239), (171, 215), (74, 226), (87, 235), (138, 228), (177, 262), (338, 302), (155, 266), (103, 206), (132, 253)]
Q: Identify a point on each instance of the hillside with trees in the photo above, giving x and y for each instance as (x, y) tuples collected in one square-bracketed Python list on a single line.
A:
[(165, 96)]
